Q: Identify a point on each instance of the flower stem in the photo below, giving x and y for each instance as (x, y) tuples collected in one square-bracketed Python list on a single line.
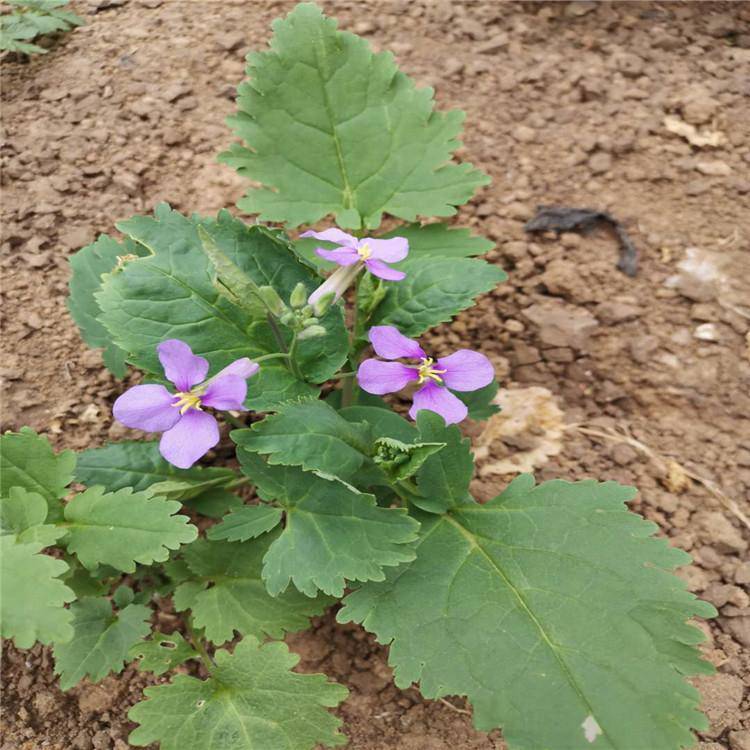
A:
[(348, 392)]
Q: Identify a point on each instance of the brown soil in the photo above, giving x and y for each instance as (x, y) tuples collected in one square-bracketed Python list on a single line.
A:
[(565, 104)]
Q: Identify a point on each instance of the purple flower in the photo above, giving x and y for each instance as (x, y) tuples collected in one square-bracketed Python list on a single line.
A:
[(189, 432), (463, 370), (353, 255)]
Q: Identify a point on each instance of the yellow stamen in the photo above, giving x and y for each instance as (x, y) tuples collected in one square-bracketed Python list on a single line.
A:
[(428, 372), (190, 400), (364, 252)]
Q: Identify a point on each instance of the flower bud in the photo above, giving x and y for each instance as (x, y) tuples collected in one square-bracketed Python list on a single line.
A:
[(312, 332), (271, 297), (298, 298), (321, 306), (309, 322)]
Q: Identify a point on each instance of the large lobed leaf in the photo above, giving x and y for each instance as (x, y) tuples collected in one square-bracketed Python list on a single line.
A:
[(332, 534), (27, 460), (23, 514), (311, 434), (226, 593), (434, 290), (140, 465), (32, 605), (171, 294), (162, 652), (88, 266), (552, 608), (123, 528), (440, 241), (443, 480), (252, 701), (331, 127), (101, 641)]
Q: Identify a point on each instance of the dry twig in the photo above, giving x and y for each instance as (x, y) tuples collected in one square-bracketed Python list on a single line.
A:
[(668, 466)]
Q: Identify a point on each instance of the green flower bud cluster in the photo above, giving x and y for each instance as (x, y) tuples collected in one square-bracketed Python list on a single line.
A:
[(298, 314)]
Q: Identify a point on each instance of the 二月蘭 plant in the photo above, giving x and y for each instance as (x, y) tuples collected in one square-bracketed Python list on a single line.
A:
[(29, 19), (551, 607)]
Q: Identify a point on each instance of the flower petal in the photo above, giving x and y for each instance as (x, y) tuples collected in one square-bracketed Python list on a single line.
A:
[(391, 251), (384, 271), (343, 255), (193, 436), (389, 342), (379, 377), (226, 392), (466, 370), (181, 366), (333, 235), (433, 397), (243, 368), (147, 407)]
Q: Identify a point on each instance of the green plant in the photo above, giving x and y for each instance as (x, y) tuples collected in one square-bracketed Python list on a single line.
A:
[(551, 607), (29, 19)]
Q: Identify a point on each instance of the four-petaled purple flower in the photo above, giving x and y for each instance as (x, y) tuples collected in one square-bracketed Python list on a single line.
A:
[(353, 255), (464, 370), (189, 432)]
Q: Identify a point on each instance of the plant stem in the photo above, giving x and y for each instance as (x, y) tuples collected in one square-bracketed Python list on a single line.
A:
[(264, 357), (292, 362), (342, 375), (276, 332), (348, 392), (197, 644), (234, 421)]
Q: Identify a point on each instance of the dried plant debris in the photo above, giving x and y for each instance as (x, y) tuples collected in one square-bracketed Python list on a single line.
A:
[(525, 434), (561, 219), (695, 137)]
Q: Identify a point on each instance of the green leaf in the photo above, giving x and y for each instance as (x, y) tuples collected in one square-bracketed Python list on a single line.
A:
[(84, 582), (252, 701), (227, 594), (23, 513), (124, 528), (87, 266), (480, 402), (441, 241), (402, 460), (101, 641), (533, 606), (384, 423), (334, 534), (310, 434), (331, 127), (246, 523), (162, 652), (179, 276), (230, 280), (139, 465), (27, 460), (434, 290), (33, 596), (443, 479), (214, 503), (31, 18)]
